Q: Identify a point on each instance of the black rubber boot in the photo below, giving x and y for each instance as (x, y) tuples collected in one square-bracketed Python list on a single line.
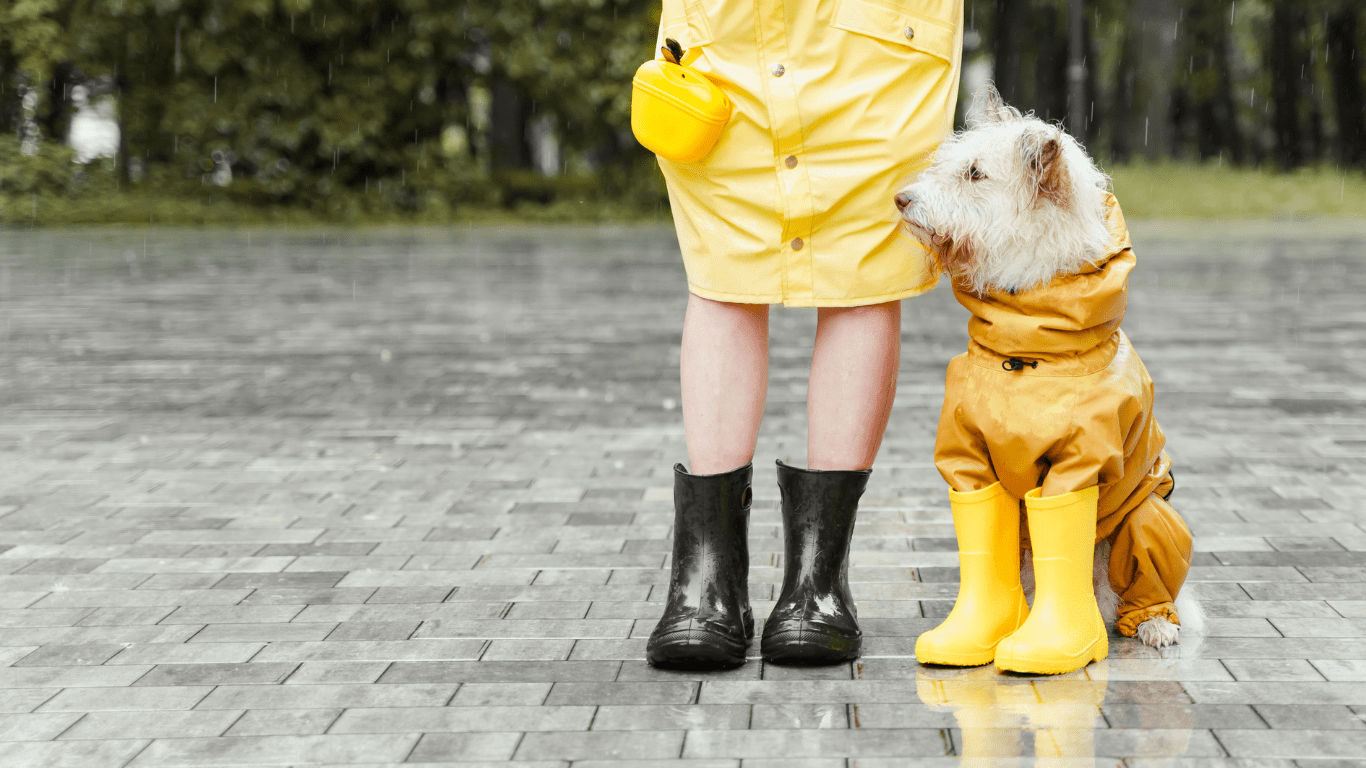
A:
[(707, 623), (814, 620)]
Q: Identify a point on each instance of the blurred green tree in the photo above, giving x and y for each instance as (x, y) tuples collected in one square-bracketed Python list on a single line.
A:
[(1204, 111), (351, 106), (300, 100)]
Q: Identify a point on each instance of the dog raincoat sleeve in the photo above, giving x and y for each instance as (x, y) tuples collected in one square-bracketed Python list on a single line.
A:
[(1082, 417), (836, 106)]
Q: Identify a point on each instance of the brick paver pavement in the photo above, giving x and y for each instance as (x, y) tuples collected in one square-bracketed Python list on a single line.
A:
[(385, 497)]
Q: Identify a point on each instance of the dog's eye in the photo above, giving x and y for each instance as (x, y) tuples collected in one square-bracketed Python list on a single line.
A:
[(975, 174)]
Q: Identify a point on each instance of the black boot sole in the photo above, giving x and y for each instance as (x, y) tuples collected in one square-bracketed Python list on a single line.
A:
[(695, 650), (809, 647)]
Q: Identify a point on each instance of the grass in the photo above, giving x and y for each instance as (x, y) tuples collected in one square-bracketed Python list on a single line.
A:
[(141, 207), (1166, 191), (1189, 191)]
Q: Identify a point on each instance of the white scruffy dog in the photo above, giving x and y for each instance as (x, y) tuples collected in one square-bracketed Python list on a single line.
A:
[(982, 183), (1009, 205)]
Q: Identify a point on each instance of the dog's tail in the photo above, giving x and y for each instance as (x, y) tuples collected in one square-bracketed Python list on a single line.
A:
[(1106, 599), (1192, 622), (1191, 613)]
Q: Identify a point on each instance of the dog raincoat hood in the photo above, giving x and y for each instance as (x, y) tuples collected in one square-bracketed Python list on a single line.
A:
[(1050, 393), (1068, 317)]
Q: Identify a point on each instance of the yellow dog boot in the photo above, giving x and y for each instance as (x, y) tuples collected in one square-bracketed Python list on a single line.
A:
[(1064, 630), (991, 604)]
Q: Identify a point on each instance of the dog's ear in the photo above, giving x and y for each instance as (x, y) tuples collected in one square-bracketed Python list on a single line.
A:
[(989, 107), (1041, 152), (990, 100)]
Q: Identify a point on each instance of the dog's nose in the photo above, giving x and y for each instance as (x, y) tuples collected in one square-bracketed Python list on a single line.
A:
[(903, 200)]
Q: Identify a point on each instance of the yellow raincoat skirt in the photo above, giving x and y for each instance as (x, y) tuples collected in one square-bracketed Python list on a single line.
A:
[(837, 104), (1082, 417)]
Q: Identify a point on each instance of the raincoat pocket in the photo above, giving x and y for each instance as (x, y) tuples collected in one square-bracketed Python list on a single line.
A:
[(686, 22), (891, 21)]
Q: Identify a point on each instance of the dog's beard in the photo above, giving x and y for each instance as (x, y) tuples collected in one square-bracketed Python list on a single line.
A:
[(954, 254)]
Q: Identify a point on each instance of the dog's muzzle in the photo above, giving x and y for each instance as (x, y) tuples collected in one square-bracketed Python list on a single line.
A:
[(904, 200)]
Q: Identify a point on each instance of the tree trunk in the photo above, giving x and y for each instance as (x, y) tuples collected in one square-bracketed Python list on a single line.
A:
[(121, 93), (57, 120), (1076, 68), (1284, 66), (1344, 65), (1214, 116), (1159, 25), (1315, 141), (1093, 116), (1125, 109), (1226, 110), (507, 129), (1050, 64), (1005, 49), (1183, 120), (9, 94)]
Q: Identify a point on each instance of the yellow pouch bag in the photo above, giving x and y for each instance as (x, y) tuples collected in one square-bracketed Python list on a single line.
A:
[(676, 111)]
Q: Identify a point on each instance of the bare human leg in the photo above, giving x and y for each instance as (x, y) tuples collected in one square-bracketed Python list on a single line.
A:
[(707, 621), (724, 373), (853, 384)]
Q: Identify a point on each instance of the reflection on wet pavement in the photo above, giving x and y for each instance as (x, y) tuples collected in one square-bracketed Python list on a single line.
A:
[(1054, 721)]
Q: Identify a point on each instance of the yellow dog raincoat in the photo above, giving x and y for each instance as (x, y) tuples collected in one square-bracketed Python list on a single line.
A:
[(837, 103), (1082, 417)]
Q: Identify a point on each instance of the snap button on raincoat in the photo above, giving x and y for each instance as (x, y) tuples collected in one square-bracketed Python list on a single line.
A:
[(836, 105), (1083, 417)]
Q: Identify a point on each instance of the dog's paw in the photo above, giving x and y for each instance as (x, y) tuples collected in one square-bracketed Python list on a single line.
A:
[(1158, 632)]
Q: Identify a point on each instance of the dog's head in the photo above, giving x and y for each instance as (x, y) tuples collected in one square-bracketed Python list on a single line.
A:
[(1008, 203)]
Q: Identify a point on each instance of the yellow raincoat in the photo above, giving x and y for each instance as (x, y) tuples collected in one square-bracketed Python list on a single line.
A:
[(1082, 417), (837, 103)]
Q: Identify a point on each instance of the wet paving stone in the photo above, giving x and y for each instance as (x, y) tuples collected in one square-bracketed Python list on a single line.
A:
[(386, 496)]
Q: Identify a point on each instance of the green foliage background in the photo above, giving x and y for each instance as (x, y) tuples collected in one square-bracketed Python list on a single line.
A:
[(376, 110), (341, 107)]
